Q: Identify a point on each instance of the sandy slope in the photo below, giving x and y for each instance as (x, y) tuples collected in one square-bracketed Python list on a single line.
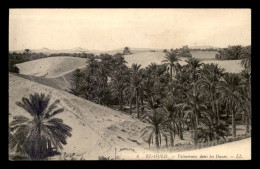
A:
[(60, 83), (146, 58), (204, 55), (232, 66), (51, 67), (97, 130)]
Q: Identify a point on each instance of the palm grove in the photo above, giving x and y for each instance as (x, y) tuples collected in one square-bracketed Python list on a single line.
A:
[(170, 97)]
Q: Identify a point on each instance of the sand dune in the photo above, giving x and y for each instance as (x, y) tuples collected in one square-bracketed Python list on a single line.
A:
[(54, 67), (51, 67), (97, 130), (146, 58), (204, 55), (231, 66)]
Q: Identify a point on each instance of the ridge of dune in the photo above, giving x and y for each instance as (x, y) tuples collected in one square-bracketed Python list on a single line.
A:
[(51, 67)]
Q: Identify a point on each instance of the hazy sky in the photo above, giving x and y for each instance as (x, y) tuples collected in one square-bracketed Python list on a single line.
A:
[(106, 29)]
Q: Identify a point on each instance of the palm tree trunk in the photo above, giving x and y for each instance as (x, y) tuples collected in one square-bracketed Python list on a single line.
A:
[(227, 115), (171, 72), (195, 130), (49, 148), (131, 104), (137, 104), (157, 137), (247, 122), (217, 112), (214, 110), (248, 118), (180, 131), (142, 102), (247, 125), (233, 124), (171, 139), (120, 101)]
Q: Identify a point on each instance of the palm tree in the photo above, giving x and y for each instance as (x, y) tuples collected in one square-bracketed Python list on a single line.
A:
[(211, 129), (235, 52), (246, 96), (92, 65), (156, 120), (194, 106), (195, 98), (135, 82), (230, 95), (118, 83), (246, 62), (27, 54), (171, 60), (211, 76), (173, 122), (126, 51), (193, 68), (175, 95), (27, 51), (41, 133), (76, 83)]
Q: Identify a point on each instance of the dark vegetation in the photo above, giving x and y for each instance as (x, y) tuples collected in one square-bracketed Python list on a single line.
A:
[(15, 58), (208, 49), (127, 51), (234, 53), (183, 52), (27, 55), (170, 97), (40, 136)]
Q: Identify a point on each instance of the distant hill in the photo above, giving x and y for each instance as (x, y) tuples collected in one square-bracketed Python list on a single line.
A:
[(120, 50), (203, 47), (81, 50), (51, 51)]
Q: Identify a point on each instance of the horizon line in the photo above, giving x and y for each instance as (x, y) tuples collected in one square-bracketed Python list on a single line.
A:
[(123, 48)]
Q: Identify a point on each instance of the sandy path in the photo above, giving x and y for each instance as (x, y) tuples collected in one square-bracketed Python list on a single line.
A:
[(238, 150), (65, 80)]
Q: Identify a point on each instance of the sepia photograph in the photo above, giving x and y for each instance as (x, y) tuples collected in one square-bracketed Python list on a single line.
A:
[(129, 84)]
